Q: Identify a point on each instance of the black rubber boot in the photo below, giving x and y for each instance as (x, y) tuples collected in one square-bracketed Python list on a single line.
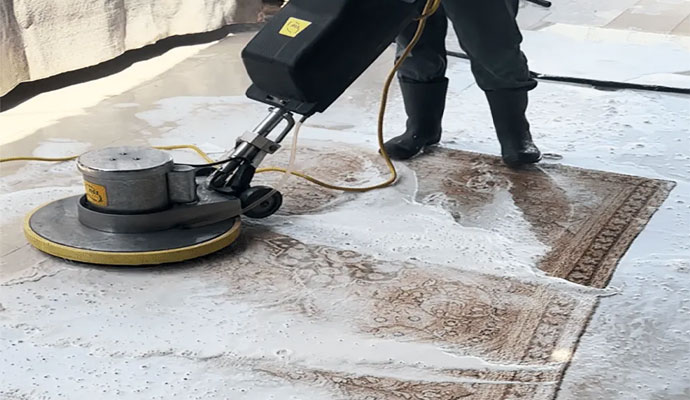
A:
[(508, 111), (424, 105)]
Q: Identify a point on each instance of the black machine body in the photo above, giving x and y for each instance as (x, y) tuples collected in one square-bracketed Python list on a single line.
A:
[(309, 53)]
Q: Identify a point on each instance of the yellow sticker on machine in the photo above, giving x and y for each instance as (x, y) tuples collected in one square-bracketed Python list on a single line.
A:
[(294, 26), (96, 194)]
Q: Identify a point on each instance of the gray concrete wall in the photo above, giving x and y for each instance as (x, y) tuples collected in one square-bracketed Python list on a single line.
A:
[(42, 38)]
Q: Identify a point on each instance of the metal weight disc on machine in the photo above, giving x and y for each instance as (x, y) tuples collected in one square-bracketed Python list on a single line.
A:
[(139, 208)]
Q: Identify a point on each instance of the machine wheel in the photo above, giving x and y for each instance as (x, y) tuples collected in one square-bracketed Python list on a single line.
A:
[(266, 207)]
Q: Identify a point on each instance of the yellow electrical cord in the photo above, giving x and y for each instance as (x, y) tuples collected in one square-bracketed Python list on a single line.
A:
[(200, 152), (190, 147), (429, 9), (47, 159)]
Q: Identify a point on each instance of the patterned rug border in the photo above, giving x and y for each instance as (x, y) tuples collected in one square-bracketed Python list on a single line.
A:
[(595, 262), (603, 255)]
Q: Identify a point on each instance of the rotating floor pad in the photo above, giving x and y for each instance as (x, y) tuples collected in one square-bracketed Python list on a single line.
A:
[(55, 229)]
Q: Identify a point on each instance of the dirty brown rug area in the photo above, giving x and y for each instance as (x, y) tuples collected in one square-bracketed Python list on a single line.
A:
[(524, 332), (587, 218)]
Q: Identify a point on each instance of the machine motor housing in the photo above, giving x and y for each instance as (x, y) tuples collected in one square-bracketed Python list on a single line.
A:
[(309, 53)]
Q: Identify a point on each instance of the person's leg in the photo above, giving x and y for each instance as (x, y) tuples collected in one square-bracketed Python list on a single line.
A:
[(489, 34), (423, 83)]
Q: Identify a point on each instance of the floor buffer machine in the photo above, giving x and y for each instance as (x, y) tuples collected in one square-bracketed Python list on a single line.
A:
[(141, 208)]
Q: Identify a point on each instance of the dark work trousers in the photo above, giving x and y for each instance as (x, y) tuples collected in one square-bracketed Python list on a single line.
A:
[(487, 32)]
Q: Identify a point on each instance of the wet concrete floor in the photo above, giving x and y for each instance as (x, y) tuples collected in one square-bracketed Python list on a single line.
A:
[(466, 280)]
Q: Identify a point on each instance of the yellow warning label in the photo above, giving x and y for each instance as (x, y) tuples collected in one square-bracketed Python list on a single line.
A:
[(294, 26), (96, 194)]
